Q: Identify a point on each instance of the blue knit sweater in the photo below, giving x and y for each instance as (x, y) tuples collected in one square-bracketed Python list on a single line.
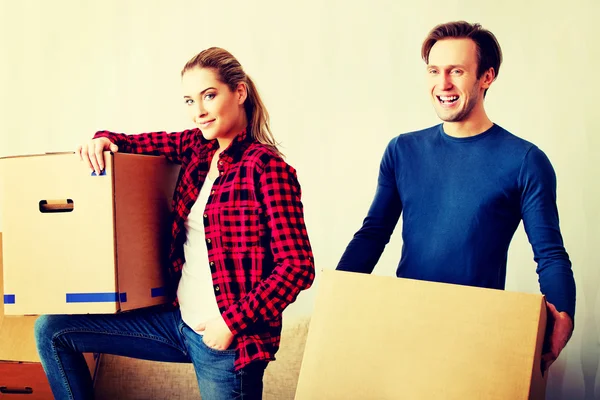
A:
[(461, 200)]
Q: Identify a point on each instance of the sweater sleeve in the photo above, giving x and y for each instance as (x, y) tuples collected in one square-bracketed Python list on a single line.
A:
[(367, 245), (537, 182)]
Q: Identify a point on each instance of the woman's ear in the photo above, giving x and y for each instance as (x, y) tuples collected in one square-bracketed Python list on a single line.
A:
[(241, 92)]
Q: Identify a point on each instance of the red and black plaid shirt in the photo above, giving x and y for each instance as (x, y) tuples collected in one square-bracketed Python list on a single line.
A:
[(258, 248)]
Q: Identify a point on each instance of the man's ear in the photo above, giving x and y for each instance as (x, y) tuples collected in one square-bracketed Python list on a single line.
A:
[(487, 78)]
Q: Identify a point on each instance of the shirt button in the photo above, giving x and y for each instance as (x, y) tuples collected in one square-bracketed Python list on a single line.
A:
[(207, 240), (222, 172), (212, 191), (217, 289), (220, 162), (205, 216), (212, 264)]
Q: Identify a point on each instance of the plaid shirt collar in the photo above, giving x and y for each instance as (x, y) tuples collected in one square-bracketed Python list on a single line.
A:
[(233, 152)]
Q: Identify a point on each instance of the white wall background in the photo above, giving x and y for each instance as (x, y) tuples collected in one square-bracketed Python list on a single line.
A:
[(339, 79)]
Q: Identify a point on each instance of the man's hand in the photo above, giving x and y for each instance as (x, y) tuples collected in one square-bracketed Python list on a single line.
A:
[(558, 332), (216, 333)]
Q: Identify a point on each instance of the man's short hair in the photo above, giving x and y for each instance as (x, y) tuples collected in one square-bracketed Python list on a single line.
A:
[(489, 54)]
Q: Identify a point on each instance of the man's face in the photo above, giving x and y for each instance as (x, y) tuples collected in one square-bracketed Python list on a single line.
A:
[(452, 77)]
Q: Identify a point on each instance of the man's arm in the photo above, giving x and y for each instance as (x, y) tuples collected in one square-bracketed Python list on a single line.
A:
[(368, 243), (541, 222)]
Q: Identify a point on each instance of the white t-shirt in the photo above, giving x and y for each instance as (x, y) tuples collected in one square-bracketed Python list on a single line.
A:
[(195, 292)]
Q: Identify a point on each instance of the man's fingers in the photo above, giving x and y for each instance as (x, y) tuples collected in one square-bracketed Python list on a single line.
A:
[(547, 360)]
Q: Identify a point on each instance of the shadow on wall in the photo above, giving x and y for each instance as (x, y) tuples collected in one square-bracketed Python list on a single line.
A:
[(590, 348)]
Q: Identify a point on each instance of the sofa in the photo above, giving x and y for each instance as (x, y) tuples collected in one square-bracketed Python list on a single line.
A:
[(127, 378)]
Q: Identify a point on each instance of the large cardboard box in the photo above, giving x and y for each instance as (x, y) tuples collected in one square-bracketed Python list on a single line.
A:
[(75, 243), (375, 337), (21, 373)]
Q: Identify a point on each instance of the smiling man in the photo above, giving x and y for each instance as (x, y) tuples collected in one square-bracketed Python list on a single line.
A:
[(463, 187)]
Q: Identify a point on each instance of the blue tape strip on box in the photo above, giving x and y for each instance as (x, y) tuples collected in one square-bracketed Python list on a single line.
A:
[(108, 297)]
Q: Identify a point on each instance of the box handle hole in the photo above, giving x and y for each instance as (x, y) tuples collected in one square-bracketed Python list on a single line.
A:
[(56, 206), (8, 390)]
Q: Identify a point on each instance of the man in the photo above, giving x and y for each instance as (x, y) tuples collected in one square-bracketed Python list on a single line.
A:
[(463, 187)]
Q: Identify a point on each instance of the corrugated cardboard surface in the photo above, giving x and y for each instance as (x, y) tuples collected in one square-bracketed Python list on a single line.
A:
[(50, 255), (387, 338), (24, 381), (47, 255), (17, 342), (143, 188), (20, 367)]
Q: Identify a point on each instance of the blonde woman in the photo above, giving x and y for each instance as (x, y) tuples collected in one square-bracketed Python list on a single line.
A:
[(240, 253)]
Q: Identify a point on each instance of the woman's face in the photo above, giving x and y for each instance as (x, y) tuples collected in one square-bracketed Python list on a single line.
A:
[(216, 110)]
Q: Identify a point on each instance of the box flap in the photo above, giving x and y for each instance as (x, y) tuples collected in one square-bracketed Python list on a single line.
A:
[(389, 338), (38, 155)]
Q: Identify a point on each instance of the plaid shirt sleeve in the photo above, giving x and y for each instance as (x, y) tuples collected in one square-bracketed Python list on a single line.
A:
[(294, 270), (170, 145)]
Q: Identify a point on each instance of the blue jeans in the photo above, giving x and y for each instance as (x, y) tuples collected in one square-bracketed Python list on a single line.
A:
[(156, 333)]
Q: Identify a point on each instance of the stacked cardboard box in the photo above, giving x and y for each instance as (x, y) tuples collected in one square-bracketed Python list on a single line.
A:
[(21, 374), (75, 243)]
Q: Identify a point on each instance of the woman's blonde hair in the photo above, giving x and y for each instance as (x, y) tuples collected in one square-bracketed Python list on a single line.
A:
[(231, 73)]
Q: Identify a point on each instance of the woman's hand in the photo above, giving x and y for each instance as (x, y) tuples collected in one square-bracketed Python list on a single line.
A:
[(92, 153), (216, 333)]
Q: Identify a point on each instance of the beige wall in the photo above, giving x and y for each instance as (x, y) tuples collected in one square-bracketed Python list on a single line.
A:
[(340, 79)]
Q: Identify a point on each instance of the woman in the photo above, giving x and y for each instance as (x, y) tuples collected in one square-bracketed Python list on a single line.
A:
[(239, 248)]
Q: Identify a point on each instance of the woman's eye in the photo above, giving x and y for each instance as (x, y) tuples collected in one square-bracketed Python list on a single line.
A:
[(189, 102), (209, 96)]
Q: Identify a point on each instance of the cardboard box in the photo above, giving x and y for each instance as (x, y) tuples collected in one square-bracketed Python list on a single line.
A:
[(75, 243), (21, 373), (375, 337)]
